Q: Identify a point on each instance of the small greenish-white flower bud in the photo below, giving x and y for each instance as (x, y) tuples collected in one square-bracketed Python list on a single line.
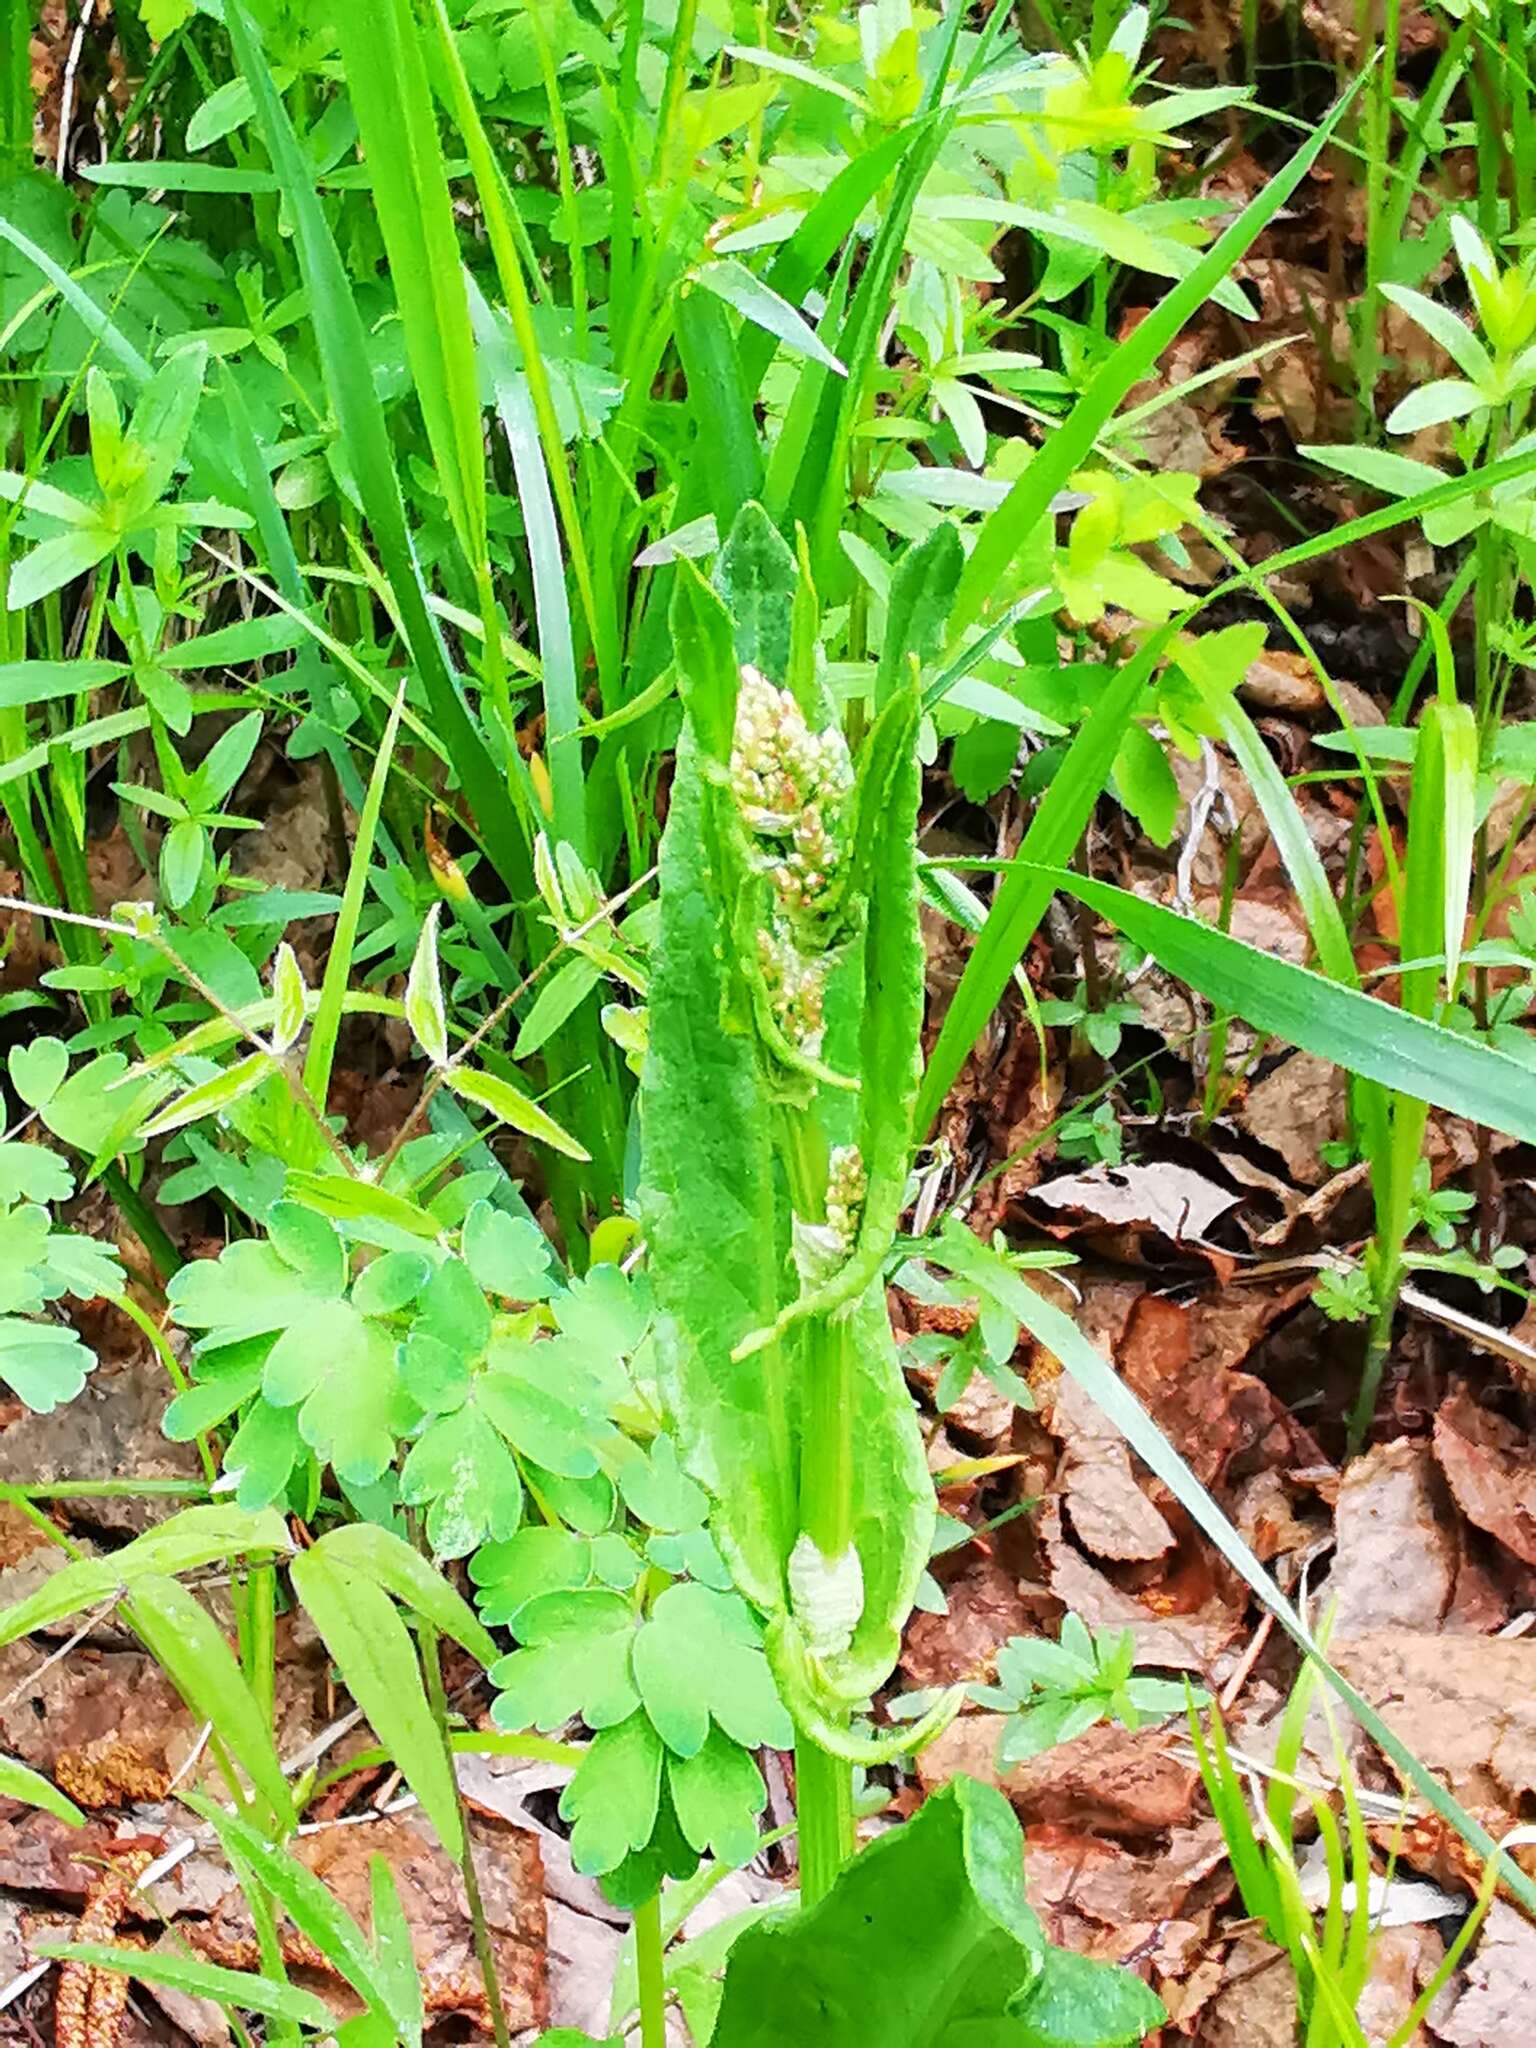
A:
[(826, 1596), (847, 1185)]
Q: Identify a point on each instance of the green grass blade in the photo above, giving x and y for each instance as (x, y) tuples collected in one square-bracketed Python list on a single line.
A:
[(343, 348), (803, 259), (503, 230), (720, 400), (338, 967), (387, 79), (1406, 1053), (551, 601), (1021, 897), (988, 576)]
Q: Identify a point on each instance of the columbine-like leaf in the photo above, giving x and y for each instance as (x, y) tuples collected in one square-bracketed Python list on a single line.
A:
[(699, 1657), (574, 1659), (614, 1796)]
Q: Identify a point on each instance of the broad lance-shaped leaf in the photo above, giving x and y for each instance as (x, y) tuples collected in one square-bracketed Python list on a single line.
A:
[(927, 1941), (189, 1646), (707, 1198)]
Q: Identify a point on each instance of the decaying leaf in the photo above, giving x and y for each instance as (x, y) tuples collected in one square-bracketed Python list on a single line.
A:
[(1465, 1705), (1113, 1780), (431, 1889), (1296, 1109), (1173, 1200), (1490, 1467), (1109, 1513), (1395, 1556), (1490, 2006)]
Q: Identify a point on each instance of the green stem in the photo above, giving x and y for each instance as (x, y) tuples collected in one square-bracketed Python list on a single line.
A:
[(259, 1635), (824, 1806), (143, 1221), (437, 1699), (826, 1457), (649, 1973)]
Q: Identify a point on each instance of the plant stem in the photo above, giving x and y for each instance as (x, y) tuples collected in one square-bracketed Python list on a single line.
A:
[(437, 1699), (649, 1974), (824, 1806), (824, 1783)]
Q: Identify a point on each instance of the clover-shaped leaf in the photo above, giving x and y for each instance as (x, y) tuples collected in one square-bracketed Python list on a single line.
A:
[(573, 1659), (468, 1479), (31, 1173), (700, 1657), (508, 1255)]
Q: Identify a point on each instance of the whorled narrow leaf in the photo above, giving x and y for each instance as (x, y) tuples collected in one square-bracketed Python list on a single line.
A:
[(509, 1105), (424, 1010)]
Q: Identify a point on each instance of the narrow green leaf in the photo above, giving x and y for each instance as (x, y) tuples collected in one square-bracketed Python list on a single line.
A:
[(241, 1989), (338, 967), (189, 1647), (720, 403), (373, 1651), (509, 1105), (164, 176), (196, 1536), (39, 682), (314, 1910), (551, 602), (391, 1563), (1405, 1053), (344, 353), (762, 305), (1020, 900), (30, 1788), (1008, 530), (386, 76), (209, 1097)]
